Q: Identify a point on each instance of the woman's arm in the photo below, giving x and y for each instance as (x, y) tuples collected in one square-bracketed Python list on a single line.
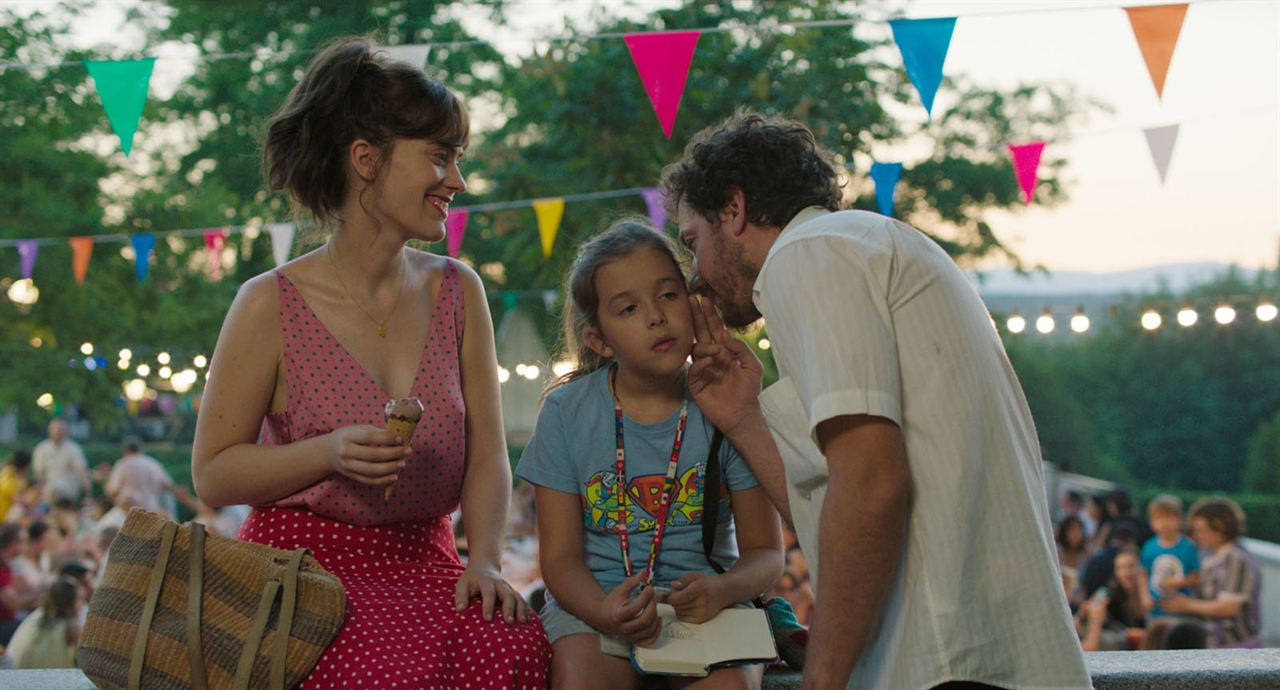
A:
[(227, 464), (486, 487), (700, 597)]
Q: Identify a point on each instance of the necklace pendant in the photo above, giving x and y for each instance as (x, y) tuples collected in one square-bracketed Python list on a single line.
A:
[(382, 331)]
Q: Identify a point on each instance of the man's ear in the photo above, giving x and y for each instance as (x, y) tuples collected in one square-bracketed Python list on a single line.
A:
[(733, 215), (594, 340)]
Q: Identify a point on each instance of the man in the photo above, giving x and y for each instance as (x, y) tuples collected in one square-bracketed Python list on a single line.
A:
[(912, 470), (138, 479), (60, 466)]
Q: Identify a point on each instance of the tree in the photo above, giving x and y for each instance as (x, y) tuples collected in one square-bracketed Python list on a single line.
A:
[(1262, 472)]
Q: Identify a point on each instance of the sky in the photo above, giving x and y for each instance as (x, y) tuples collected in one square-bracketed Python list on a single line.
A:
[(1221, 199)]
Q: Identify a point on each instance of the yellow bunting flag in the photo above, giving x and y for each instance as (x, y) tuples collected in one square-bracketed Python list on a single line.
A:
[(1157, 27), (81, 250), (549, 213)]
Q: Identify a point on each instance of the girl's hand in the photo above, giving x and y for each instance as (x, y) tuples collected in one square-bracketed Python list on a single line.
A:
[(634, 620), (697, 597), (367, 454), (725, 377), (1096, 610), (486, 583)]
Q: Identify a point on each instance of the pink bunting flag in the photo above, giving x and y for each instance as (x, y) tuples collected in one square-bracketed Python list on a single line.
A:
[(663, 60), (214, 241), (1026, 165), (455, 227)]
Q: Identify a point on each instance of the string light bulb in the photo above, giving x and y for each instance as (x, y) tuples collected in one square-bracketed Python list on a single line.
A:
[(1224, 314), (1187, 317), (1080, 321), (1151, 319), (1016, 324), (1045, 323), (1266, 311)]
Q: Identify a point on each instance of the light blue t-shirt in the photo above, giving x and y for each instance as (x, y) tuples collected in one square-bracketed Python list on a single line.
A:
[(572, 450), (1161, 563)]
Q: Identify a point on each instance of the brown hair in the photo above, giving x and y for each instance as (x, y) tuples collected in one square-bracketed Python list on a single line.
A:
[(777, 163), (623, 237), (1222, 514), (352, 91), (1165, 504)]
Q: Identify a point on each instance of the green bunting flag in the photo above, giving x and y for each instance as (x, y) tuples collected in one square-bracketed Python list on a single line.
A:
[(122, 85)]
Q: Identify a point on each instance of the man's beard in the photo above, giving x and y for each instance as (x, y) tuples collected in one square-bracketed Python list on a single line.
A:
[(741, 276)]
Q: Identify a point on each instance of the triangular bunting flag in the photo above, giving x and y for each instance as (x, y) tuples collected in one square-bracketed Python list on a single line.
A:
[(415, 55), (886, 177), (924, 44), (653, 200), (1026, 165), (81, 251), (122, 86), (455, 228), (549, 212), (214, 241), (1161, 140), (663, 60), (27, 251), (143, 243), (1157, 27), (281, 241)]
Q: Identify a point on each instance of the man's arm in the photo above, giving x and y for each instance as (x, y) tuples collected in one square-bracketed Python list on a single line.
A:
[(862, 530)]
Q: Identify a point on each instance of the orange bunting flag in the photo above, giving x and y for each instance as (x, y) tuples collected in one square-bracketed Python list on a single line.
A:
[(1157, 27), (549, 212), (81, 251)]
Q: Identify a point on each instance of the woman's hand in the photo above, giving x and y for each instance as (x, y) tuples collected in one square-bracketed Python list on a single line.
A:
[(1096, 609), (367, 454), (634, 620), (486, 583), (725, 377), (697, 597)]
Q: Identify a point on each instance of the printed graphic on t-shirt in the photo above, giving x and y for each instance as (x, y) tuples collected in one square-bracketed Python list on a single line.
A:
[(1165, 567), (644, 500)]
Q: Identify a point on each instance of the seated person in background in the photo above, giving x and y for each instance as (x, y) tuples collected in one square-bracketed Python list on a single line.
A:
[(1172, 562), (1174, 633), (31, 568), (224, 521), (1115, 615), (12, 600), (1230, 579), (47, 638), (141, 475), (1073, 552), (1099, 567), (83, 577), (14, 479)]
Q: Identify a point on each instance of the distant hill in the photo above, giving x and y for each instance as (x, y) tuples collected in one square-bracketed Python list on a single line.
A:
[(1178, 277)]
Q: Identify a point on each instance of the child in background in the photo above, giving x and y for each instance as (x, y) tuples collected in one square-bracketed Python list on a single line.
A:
[(617, 522), (1170, 558)]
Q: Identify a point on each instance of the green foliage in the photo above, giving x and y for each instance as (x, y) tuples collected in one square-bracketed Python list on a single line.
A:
[(1262, 472)]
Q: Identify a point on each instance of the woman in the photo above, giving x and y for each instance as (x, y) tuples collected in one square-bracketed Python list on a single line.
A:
[(310, 354), (1230, 579), (1115, 616), (47, 638)]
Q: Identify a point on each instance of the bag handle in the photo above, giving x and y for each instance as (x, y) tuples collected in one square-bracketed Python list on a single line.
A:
[(195, 595), (285, 625), (711, 508), (167, 532), (249, 652)]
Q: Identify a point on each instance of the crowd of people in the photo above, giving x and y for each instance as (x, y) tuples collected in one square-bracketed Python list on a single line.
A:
[(1178, 580), (55, 530)]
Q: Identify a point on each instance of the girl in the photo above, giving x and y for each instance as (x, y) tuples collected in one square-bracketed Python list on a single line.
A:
[(47, 638), (602, 527), (310, 353), (1115, 616)]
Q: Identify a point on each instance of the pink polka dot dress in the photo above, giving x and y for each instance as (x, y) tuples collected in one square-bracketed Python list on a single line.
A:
[(396, 559)]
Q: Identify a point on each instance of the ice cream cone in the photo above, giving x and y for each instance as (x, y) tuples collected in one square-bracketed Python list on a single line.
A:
[(402, 419)]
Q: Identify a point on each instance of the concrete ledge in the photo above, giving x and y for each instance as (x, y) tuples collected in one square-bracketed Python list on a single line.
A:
[(1238, 669)]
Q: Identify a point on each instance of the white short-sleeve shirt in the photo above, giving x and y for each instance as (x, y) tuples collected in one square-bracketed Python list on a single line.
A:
[(869, 316)]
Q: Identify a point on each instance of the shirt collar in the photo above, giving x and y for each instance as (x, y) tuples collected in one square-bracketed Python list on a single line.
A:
[(804, 216)]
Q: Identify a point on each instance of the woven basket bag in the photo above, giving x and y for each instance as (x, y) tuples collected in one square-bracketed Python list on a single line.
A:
[(177, 608)]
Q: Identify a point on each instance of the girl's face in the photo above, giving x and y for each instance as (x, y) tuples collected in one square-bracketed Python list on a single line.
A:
[(1127, 570), (646, 322), (414, 189)]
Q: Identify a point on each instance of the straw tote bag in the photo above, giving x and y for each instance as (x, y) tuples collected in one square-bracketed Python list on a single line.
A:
[(177, 608)]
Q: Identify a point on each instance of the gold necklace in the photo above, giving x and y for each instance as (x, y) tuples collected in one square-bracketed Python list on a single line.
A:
[(382, 325)]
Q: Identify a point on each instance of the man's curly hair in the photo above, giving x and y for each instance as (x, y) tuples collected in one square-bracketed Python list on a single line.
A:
[(777, 163)]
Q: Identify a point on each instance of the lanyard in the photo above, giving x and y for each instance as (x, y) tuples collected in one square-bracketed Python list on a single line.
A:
[(620, 488)]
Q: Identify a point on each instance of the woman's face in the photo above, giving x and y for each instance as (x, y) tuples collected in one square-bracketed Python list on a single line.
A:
[(415, 188), (1127, 570), (1075, 535)]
